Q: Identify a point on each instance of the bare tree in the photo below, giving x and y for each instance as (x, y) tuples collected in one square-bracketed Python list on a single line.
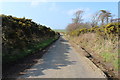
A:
[(78, 16), (72, 27), (95, 19)]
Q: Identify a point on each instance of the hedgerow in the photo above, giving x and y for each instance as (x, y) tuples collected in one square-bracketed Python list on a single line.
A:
[(20, 34), (108, 31)]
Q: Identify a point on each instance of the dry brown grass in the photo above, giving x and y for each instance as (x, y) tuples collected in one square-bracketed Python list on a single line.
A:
[(107, 49)]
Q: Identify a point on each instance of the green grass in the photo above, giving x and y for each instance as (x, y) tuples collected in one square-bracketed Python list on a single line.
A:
[(14, 57), (59, 30), (111, 58)]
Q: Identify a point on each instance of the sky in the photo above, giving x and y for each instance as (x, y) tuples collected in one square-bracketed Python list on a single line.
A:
[(56, 15)]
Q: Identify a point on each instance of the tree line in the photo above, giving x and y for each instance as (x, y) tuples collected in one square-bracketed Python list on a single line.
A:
[(100, 18)]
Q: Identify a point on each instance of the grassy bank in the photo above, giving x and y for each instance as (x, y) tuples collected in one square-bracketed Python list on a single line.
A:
[(107, 49), (28, 51), (101, 42), (106, 52)]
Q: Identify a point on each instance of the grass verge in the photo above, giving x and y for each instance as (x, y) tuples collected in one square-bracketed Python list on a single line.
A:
[(28, 51), (111, 58)]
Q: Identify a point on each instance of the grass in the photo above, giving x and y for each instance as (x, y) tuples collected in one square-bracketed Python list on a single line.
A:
[(59, 30), (14, 57), (111, 58), (97, 45), (108, 57)]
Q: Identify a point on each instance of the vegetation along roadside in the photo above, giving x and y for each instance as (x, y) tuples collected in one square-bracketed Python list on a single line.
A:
[(100, 38), (23, 37)]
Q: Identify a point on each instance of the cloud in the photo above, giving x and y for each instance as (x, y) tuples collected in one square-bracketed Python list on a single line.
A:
[(72, 11), (86, 15), (34, 3), (37, 2), (53, 7)]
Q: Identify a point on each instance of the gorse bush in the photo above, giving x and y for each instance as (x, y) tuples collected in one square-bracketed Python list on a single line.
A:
[(19, 34), (108, 31), (100, 42)]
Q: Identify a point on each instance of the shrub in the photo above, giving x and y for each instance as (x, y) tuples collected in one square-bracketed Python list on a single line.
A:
[(19, 34)]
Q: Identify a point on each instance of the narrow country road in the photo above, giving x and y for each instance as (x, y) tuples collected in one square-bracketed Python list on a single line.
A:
[(62, 61)]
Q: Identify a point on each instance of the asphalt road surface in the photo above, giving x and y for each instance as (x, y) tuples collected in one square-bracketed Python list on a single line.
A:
[(62, 61)]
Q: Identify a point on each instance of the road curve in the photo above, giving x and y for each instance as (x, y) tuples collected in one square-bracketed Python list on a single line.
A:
[(62, 61)]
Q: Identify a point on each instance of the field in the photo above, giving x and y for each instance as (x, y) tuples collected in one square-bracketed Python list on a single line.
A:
[(59, 30)]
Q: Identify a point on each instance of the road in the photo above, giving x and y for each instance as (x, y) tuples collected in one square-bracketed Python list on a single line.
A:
[(63, 61)]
